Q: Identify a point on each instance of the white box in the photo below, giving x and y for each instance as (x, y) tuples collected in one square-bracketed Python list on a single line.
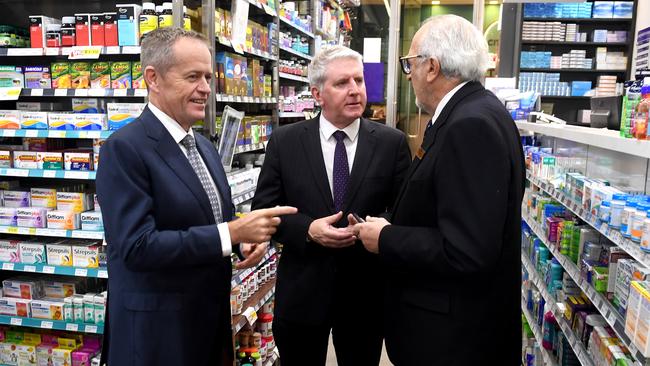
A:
[(59, 289), (90, 122), (60, 121), (9, 250), (49, 160), (25, 160), (85, 256), (8, 216), (92, 221), (32, 253), (15, 307), (50, 309), (76, 202), (35, 217), (66, 220), (59, 254), (22, 288), (9, 119), (33, 120), (121, 114)]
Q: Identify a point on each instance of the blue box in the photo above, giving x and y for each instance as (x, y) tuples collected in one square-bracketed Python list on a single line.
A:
[(128, 24), (603, 9), (580, 88), (623, 9)]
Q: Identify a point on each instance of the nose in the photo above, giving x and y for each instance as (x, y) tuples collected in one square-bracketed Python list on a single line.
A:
[(204, 85), (354, 88)]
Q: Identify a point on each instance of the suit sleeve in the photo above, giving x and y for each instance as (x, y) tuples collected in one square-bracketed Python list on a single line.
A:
[(124, 191), (472, 173), (271, 192)]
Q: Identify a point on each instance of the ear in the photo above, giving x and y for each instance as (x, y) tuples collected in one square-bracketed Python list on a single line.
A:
[(315, 92), (432, 68), (151, 78)]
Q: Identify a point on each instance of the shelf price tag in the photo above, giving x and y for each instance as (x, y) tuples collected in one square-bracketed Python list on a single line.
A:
[(10, 93), (29, 269), (102, 273), (32, 133), (85, 53), (16, 321), (113, 50), (81, 272), (38, 92), (91, 328), (71, 327), (131, 50), (8, 266), (46, 324), (140, 92), (48, 269), (60, 92), (119, 92), (250, 315), (96, 92), (237, 47), (49, 173)]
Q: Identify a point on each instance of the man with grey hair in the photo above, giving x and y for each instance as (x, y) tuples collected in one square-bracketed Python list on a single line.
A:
[(452, 248), (327, 167), (168, 219)]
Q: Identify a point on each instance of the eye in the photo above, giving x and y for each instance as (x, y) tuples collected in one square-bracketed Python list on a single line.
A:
[(192, 77)]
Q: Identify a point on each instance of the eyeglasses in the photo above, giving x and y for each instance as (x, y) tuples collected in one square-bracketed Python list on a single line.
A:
[(406, 66)]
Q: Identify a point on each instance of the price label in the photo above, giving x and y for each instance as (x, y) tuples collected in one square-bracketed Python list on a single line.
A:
[(49, 173), (16, 321), (81, 92), (10, 93), (31, 133), (85, 53), (611, 318), (60, 92), (72, 327), (29, 269), (25, 52), (93, 134), (113, 50), (18, 172), (81, 272), (46, 324), (48, 269), (131, 50), (238, 99), (251, 315), (65, 51), (37, 92), (230, 98), (102, 273), (8, 266), (91, 329), (257, 99), (97, 92), (140, 92), (57, 233), (50, 51), (238, 48), (119, 92), (76, 175)]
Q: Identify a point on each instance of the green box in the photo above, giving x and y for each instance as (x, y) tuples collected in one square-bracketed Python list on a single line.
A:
[(121, 75)]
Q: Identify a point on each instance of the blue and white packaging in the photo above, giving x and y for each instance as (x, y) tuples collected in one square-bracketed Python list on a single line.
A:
[(603, 9), (90, 122), (623, 9), (92, 221), (128, 24), (86, 105)]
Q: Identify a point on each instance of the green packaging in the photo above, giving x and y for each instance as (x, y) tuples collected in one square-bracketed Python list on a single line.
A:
[(100, 75), (137, 78), (121, 75), (61, 75), (80, 75)]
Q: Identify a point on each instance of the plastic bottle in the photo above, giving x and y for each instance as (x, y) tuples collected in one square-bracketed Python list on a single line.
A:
[(617, 207), (604, 211), (166, 19), (187, 21), (626, 216), (549, 331), (148, 19), (68, 32), (638, 221)]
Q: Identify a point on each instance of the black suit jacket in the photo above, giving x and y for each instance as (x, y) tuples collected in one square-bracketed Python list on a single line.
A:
[(453, 251), (312, 278), (169, 283)]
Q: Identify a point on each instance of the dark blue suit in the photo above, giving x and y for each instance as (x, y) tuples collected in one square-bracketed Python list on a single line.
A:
[(169, 283)]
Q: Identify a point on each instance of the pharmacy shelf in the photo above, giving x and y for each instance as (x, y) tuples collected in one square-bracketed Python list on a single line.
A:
[(267, 9), (291, 115), (294, 26), (604, 307), (576, 70), (253, 52), (56, 233), (239, 276), (579, 20), (51, 324), (250, 147), (603, 138), (603, 228), (564, 97), (274, 357), (243, 197), (324, 35), (244, 99), (56, 134), (57, 270), (44, 173), (548, 360), (577, 346), (65, 51), (259, 298), (572, 44), (118, 93), (294, 77), (296, 53)]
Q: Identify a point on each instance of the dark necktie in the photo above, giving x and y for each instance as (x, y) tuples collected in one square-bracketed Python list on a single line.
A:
[(341, 171), (429, 125), (204, 176)]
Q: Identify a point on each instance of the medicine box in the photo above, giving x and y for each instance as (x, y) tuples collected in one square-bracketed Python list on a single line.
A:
[(9, 250), (65, 220), (100, 75), (33, 217), (128, 24), (121, 75), (22, 288), (49, 160), (97, 29), (60, 289), (90, 122), (623, 9), (110, 29), (603, 9), (10, 119), (78, 160), (59, 254), (16, 199), (5, 159), (51, 309), (61, 75), (44, 353), (121, 114), (61, 121), (38, 77), (86, 105), (11, 77), (85, 256), (72, 201), (137, 77), (37, 29), (15, 307), (32, 253), (92, 221), (25, 160), (80, 75), (8, 216), (33, 120)]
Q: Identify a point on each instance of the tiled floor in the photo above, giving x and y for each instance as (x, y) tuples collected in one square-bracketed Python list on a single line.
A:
[(331, 356)]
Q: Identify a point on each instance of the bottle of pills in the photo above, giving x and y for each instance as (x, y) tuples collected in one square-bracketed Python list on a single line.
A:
[(148, 19), (166, 19), (626, 216), (68, 32), (638, 221), (53, 35), (617, 206)]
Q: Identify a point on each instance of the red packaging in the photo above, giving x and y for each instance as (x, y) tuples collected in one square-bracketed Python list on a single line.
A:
[(110, 29), (82, 28), (37, 31), (97, 29)]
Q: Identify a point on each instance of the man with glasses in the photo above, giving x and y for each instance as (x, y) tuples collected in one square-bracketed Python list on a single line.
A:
[(452, 247), (327, 167)]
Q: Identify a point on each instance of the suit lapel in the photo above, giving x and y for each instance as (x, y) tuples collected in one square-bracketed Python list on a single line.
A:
[(362, 157), (219, 177), (311, 144)]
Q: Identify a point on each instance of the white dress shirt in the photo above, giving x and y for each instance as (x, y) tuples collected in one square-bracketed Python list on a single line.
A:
[(446, 100), (328, 145), (178, 134)]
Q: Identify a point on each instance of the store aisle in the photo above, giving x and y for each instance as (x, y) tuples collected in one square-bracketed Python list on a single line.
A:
[(331, 356)]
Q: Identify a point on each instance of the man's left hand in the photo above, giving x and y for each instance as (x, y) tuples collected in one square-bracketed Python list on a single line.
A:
[(253, 254), (369, 231)]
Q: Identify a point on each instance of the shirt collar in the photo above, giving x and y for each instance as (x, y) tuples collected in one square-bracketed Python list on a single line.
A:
[(328, 129), (174, 128), (446, 100)]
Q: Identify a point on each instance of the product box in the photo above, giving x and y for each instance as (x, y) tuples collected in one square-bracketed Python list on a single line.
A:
[(37, 25), (90, 122), (49, 160), (51, 309), (33, 120), (72, 201), (128, 24), (44, 353), (9, 250), (61, 121), (27, 349), (82, 29), (62, 356), (603, 9), (100, 75), (11, 76), (5, 159), (87, 105), (32, 253), (38, 106), (85, 256), (97, 29), (137, 78), (59, 255), (63, 220), (7, 217), (16, 199), (121, 114), (38, 77), (15, 307), (623, 9), (92, 221), (61, 75), (121, 74), (110, 29), (60, 290), (22, 288), (78, 160), (10, 119), (25, 160), (80, 75), (35, 217), (9, 352), (89, 308), (100, 308), (82, 357)]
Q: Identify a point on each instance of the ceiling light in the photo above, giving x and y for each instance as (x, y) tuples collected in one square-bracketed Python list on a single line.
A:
[(493, 2), (435, 2)]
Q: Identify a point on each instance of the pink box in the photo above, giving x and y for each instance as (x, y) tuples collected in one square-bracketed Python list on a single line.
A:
[(552, 225)]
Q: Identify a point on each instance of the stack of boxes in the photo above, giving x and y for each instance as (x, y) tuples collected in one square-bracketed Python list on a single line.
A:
[(239, 76), (558, 10), (543, 31), (535, 60), (642, 58), (607, 86), (544, 83), (576, 59), (608, 60), (613, 9), (608, 36)]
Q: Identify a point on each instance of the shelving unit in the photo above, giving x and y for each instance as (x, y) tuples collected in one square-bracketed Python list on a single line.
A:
[(299, 29), (65, 51), (66, 93), (261, 297), (294, 77), (41, 173), (56, 134), (51, 324), (57, 270), (548, 359), (296, 53), (594, 71), (572, 44)]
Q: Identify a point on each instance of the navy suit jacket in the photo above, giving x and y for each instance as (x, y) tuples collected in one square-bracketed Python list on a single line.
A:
[(169, 283)]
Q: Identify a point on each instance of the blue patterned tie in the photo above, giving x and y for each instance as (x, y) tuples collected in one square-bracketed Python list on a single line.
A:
[(341, 171), (204, 176)]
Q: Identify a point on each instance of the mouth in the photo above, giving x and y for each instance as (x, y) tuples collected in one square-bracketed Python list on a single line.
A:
[(199, 101)]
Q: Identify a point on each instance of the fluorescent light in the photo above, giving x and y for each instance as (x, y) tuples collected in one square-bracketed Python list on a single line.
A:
[(435, 2), (493, 2)]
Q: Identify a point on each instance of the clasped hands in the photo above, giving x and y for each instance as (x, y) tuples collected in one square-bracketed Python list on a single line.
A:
[(324, 233)]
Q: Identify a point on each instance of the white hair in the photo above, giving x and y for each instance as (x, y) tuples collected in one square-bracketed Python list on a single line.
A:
[(458, 45), (318, 66)]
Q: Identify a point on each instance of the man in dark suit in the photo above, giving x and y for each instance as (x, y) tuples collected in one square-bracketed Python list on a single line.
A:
[(336, 163), (452, 249), (167, 213)]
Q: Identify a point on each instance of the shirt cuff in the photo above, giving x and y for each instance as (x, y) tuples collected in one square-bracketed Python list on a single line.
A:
[(224, 236)]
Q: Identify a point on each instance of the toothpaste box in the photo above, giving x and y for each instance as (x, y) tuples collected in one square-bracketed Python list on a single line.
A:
[(76, 202), (35, 217), (78, 161), (49, 160), (5, 159), (9, 119), (85, 256), (9, 250), (66, 220), (8, 216), (121, 114), (43, 197), (61, 121), (48, 308), (16, 199), (59, 254), (15, 307), (90, 122), (22, 288), (25, 160), (38, 77), (33, 120), (86, 105), (92, 221), (32, 253), (60, 289)]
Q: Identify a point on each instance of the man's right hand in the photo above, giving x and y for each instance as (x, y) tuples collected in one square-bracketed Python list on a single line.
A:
[(322, 232), (258, 226)]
